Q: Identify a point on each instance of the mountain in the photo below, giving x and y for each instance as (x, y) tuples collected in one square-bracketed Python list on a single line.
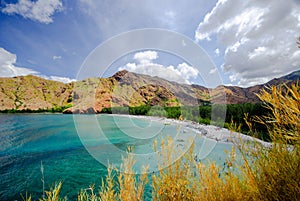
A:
[(122, 89), (131, 89), (33, 93), (236, 94)]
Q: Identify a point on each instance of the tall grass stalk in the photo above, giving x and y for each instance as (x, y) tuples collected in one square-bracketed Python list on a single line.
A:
[(43, 179)]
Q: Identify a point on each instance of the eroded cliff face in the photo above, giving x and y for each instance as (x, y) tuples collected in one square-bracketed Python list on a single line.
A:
[(122, 89)]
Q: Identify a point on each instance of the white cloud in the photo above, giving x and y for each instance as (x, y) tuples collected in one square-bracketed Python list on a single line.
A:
[(212, 71), (217, 52), (145, 65), (57, 78), (187, 71), (61, 79), (169, 19), (56, 57), (153, 69), (145, 57), (8, 68), (259, 36), (40, 10)]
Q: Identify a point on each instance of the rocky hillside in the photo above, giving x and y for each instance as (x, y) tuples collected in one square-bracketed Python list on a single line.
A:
[(33, 93), (131, 89), (122, 89), (236, 94)]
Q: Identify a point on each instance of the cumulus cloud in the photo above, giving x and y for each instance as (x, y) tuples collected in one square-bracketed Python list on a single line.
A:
[(145, 65), (8, 68), (40, 10), (145, 57), (259, 36)]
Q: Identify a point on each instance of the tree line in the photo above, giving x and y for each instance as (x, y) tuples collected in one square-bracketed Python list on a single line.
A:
[(235, 113)]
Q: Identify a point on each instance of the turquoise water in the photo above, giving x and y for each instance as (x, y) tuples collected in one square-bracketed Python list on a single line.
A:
[(26, 140)]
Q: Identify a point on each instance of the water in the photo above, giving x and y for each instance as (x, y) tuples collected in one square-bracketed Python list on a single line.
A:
[(28, 139)]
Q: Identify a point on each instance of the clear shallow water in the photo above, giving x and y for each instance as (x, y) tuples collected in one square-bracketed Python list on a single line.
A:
[(28, 139)]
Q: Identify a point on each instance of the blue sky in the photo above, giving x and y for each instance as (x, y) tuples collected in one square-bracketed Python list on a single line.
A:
[(250, 42)]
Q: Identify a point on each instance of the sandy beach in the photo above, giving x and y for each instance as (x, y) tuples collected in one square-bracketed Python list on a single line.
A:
[(206, 131)]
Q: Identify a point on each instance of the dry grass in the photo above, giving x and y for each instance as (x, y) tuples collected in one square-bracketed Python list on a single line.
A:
[(265, 173), (189, 180), (88, 195), (131, 188), (173, 183), (53, 193), (284, 104), (108, 191), (277, 169)]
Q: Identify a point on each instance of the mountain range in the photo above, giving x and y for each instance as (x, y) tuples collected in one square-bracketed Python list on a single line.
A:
[(32, 93)]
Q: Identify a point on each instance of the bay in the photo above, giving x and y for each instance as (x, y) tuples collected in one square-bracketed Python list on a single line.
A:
[(66, 149)]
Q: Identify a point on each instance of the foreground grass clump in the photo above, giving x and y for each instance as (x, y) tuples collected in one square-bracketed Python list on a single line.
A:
[(188, 180), (277, 169), (265, 173)]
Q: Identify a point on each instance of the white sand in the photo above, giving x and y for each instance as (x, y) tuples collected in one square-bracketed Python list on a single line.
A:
[(208, 131), (211, 135)]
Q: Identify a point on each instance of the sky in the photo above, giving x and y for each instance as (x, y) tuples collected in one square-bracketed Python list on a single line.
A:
[(248, 42)]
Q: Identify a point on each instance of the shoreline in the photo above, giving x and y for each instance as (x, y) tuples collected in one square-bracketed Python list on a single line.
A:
[(206, 131)]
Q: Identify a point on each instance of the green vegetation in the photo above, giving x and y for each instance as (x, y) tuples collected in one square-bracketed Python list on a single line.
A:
[(54, 109), (169, 112), (202, 114), (264, 173)]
